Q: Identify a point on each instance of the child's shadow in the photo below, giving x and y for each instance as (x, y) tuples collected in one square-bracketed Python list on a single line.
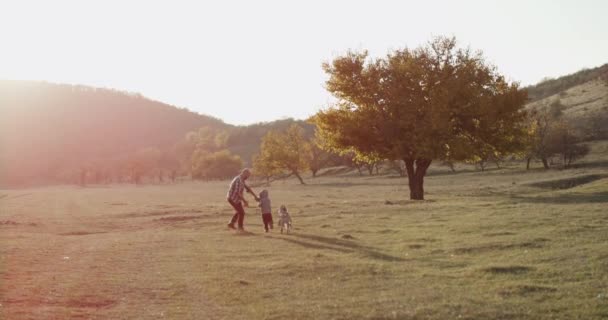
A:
[(243, 233)]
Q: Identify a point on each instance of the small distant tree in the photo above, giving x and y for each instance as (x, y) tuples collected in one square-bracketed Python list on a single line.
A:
[(604, 76), (265, 168), (142, 163), (595, 127), (288, 151), (449, 164), (216, 165), (556, 109), (173, 175), (349, 159), (207, 138), (538, 126), (482, 154), (83, 176), (563, 142), (398, 166), (168, 166), (319, 158), (370, 162)]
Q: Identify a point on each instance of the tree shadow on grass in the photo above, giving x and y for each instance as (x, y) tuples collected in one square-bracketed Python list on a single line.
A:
[(343, 246), (590, 164), (597, 197), (567, 183), (349, 184)]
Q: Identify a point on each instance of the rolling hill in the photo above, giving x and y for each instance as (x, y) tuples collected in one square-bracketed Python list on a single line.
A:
[(579, 101), (46, 128), (552, 87)]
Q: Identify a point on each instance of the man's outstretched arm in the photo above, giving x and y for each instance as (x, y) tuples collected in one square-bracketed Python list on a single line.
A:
[(255, 196)]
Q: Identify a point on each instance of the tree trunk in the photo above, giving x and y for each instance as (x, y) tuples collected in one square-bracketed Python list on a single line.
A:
[(545, 164), (314, 172), (370, 169), (416, 170), (528, 163), (450, 165), (297, 174), (83, 177)]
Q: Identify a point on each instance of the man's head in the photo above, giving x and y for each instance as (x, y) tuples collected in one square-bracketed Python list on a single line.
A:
[(246, 173)]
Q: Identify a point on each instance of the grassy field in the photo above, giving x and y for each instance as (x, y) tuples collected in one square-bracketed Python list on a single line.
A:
[(500, 244)]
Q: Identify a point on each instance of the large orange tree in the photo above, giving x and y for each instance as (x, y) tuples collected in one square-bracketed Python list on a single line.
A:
[(435, 102)]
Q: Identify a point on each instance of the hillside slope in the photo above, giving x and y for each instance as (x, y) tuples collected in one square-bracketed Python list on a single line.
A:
[(46, 127), (554, 86), (579, 101)]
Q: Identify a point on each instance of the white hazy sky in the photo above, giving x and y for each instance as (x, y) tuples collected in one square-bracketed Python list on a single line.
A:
[(251, 61)]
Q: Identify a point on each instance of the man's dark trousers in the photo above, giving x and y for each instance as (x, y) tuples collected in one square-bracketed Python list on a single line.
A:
[(239, 215)]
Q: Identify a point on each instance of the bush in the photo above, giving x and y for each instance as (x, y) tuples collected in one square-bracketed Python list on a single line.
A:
[(556, 109)]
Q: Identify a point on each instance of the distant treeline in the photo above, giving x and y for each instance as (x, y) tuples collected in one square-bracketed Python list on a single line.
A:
[(550, 87)]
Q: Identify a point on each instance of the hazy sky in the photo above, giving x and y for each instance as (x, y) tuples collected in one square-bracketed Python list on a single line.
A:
[(251, 61)]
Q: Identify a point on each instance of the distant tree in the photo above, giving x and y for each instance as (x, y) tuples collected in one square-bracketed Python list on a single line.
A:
[(483, 153), (599, 124), (319, 157), (370, 162), (83, 176), (594, 126), (168, 163), (449, 164), (562, 141), (537, 144), (398, 166), (142, 163), (288, 151), (556, 109), (207, 138), (264, 167), (433, 102), (217, 165), (160, 176), (604, 75), (349, 159)]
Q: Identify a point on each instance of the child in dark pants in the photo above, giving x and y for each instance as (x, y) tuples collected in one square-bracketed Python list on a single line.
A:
[(266, 210)]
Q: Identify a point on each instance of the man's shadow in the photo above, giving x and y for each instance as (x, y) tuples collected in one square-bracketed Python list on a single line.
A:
[(327, 243)]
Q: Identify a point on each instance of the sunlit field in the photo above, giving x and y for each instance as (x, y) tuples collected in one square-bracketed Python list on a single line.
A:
[(501, 244)]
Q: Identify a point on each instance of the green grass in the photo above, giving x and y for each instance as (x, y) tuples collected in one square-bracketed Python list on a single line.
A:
[(500, 244)]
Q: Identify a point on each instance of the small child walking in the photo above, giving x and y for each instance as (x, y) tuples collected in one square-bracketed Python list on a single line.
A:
[(266, 210), (284, 219)]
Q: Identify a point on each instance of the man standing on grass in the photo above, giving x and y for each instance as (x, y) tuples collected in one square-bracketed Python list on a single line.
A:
[(236, 199)]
